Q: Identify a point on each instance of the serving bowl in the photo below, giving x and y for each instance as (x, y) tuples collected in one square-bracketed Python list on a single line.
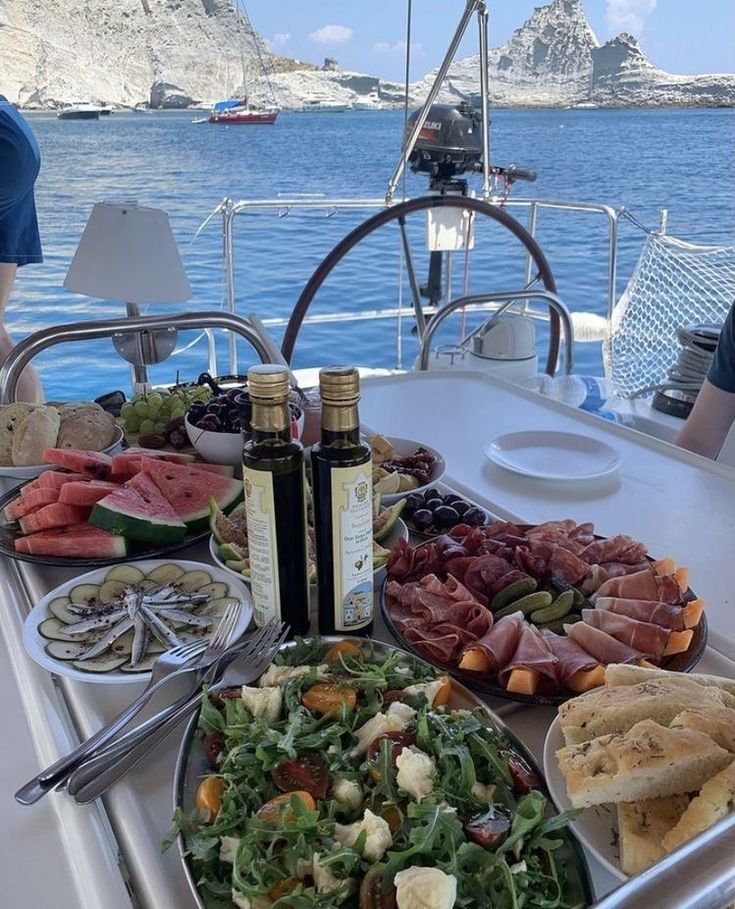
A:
[(404, 448), (226, 447)]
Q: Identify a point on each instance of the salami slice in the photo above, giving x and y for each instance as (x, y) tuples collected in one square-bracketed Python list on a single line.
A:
[(532, 652), (620, 548), (604, 647), (668, 615), (570, 657), (644, 637)]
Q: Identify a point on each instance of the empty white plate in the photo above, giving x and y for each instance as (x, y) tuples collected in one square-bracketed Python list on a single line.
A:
[(553, 455)]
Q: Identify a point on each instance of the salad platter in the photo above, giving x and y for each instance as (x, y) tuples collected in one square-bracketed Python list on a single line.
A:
[(381, 779), (534, 612)]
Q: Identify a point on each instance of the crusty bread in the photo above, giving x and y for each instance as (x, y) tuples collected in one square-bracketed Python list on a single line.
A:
[(716, 722), (626, 674), (646, 762), (642, 826), (716, 799), (608, 710), (37, 432)]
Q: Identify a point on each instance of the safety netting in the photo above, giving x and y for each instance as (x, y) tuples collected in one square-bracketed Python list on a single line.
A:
[(674, 285)]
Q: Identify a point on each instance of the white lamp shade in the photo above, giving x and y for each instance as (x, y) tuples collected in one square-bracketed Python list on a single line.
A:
[(128, 253)]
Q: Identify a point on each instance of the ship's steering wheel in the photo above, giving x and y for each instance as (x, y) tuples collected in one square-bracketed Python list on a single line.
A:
[(398, 213)]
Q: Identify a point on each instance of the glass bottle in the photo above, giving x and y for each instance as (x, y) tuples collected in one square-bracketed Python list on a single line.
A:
[(341, 467), (275, 504)]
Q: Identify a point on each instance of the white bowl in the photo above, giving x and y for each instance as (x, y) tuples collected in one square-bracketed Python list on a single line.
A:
[(404, 448), (217, 447)]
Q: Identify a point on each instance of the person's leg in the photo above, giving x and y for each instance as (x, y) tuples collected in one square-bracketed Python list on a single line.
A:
[(29, 386)]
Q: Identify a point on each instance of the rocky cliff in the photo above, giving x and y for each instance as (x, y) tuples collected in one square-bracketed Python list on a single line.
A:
[(177, 53)]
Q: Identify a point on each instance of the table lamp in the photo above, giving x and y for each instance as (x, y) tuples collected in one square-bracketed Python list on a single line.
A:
[(128, 253)]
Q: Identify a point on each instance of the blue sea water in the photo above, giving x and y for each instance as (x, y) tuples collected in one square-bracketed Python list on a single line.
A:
[(643, 159)]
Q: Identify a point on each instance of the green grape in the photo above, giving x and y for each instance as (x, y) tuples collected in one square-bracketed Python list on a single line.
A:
[(127, 409), (147, 427), (178, 411), (141, 408), (155, 402), (132, 422)]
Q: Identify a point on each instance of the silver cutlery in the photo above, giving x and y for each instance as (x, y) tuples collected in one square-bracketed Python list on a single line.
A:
[(186, 658), (95, 776)]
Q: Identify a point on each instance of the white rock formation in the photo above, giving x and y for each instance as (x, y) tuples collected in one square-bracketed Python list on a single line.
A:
[(177, 53)]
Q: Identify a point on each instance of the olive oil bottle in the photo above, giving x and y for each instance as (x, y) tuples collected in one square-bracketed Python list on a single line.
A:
[(341, 467), (275, 504)]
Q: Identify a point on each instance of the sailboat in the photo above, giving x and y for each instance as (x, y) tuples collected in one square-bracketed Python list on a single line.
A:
[(237, 110)]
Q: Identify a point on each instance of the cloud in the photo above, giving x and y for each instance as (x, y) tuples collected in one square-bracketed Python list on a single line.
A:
[(280, 38), (399, 47), (628, 15), (332, 34)]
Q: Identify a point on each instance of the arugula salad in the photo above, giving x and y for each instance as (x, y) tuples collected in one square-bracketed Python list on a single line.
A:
[(345, 778)]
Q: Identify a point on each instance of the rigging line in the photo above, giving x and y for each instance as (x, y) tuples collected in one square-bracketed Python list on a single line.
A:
[(624, 213), (399, 326), (256, 42)]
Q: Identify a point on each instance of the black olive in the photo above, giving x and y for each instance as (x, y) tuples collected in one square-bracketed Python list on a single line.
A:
[(474, 516), (432, 493), (461, 507), (451, 498), (423, 519), (445, 516), (413, 503), (434, 503)]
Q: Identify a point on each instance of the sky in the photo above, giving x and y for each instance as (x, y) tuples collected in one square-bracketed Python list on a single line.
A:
[(680, 36)]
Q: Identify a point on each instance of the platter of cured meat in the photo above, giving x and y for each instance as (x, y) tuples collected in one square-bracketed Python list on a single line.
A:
[(535, 612)]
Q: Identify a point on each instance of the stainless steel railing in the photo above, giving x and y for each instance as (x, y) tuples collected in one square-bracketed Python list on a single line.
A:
[(29, 347)]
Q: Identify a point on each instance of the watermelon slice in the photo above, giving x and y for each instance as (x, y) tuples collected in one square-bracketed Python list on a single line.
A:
[(189, 490), (31, 502), (224, 470), (75, 541), (55, 515), (85, 492), (51, 479), (140, 513), (127, 463), (91, 463)]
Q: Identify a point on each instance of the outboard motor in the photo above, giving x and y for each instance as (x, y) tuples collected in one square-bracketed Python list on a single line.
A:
[(449, 144)]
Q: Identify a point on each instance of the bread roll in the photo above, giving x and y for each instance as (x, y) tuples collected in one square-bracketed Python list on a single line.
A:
[(716, 722), (642, 826), (86, 426), (36, 433), (11, 416), (646, 762), (716, 799), (625, 674), (608, 710)]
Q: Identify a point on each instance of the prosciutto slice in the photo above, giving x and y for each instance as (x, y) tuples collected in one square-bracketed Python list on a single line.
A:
[(642, 585), (437, 645), (490, 573), (604, 647), (570, 658), (641, 636), (500, 642), (620, 548), (668, 615), (532, 652)]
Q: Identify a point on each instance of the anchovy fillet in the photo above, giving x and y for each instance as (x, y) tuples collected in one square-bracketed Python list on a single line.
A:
[(107, 640), (140, 640), (188, 618), (164, 634), (97, 622)]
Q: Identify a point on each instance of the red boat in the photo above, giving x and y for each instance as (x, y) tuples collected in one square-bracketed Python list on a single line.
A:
[(242, 115)]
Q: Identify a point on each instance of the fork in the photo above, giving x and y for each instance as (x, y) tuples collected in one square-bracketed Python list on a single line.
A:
[(96, 775), (186, 658)]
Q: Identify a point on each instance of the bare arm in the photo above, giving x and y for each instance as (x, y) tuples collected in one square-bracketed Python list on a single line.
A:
[(709, 422)]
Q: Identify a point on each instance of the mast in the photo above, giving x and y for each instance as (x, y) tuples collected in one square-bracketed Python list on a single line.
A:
[(264, 70)]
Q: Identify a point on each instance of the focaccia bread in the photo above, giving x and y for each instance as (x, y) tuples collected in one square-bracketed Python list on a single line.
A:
[(642, 826), (625, 674), (716, 722), (646, 762), (33, 435), (605, 711), (716, 799)]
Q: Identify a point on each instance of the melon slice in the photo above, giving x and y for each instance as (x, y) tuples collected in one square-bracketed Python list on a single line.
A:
[(91, 463), (55, 515), (189, 490), (75, 541), (85, 492), (31, 502), (51, 479), (140, 513)]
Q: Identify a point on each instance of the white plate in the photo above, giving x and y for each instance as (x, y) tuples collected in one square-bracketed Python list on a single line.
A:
[(33, 470), (399, 532), (553, 455), (35, 642), (405, 448), (596, 828)]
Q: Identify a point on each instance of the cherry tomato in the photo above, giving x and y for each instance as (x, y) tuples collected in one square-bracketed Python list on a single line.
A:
[(399, 739), (213, 743), (443, 694), (374, 893), (392, 695), (281, 888), (209, 796), (489, 828), (391, 814), (271, 811), (327, 697), (343, 648), (307, 773), (524, 778)]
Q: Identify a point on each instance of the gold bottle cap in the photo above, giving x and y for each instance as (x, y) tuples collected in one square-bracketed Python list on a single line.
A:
[(269, 382), (339, 385)]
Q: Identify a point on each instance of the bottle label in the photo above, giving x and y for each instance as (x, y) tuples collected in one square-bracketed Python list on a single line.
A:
[(352, 542), (260, 512)]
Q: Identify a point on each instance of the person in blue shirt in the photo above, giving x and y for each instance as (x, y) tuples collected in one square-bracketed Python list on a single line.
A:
[(714, 409), (20, 243)]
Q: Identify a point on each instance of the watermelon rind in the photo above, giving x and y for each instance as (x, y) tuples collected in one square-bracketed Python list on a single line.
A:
[(76, 541), (126, 513)]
